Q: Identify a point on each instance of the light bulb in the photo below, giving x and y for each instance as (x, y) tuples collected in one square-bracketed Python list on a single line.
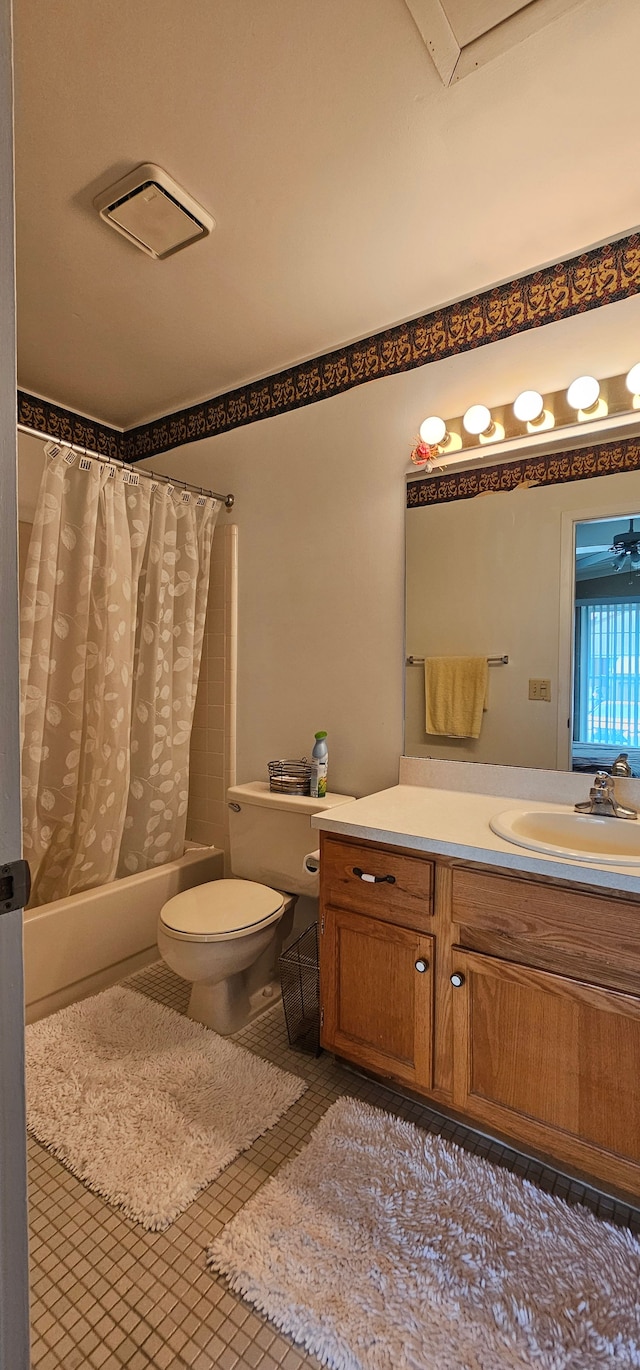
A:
[(477, 420), (633, 379), (583, 393), (528, 406), (433, 430)]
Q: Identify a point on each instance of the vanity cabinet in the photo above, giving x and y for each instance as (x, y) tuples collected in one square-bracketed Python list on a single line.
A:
[(511, 1000), (378, 995), (378, 882), (377, 960), (550, 1061), (546, 1021)]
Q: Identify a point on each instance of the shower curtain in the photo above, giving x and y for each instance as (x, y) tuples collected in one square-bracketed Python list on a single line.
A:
[(113, 612)]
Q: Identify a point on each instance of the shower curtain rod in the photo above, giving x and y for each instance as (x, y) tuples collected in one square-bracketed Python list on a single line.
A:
[(227, 500)]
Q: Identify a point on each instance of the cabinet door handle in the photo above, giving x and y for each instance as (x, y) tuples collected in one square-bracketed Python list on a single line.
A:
[(374, 879), (457, 979), (422, 965)]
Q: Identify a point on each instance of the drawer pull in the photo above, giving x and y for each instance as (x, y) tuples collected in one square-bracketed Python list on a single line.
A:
[(422, 965), (374, 879), (457, 979)]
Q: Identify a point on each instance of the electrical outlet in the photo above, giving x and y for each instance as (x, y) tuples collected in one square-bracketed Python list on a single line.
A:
[(540, 689)]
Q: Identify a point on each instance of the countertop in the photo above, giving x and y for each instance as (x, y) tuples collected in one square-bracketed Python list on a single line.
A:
[(451, 823)]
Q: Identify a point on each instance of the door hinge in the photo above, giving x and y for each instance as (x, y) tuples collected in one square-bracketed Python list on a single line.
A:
[(15, 885), (321, 1017), (322, 925)]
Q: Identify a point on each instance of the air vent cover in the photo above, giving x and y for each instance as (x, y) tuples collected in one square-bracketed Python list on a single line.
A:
[(150, 209)]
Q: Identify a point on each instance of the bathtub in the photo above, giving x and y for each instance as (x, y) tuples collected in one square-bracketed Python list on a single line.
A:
[(76, 946)]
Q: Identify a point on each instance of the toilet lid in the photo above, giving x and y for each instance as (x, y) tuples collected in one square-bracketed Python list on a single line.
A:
[(221, 906)]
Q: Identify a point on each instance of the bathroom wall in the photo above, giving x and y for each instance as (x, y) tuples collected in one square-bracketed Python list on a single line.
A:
[(31, 461), (320, 507), (24, 534), (320, 512), (213, 740)]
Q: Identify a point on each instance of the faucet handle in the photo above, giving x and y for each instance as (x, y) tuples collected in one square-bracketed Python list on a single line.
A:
[(602, 800), (621, 765), (601, 795)]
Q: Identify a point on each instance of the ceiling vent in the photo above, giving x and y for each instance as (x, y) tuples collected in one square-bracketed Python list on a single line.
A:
[(150, 209)]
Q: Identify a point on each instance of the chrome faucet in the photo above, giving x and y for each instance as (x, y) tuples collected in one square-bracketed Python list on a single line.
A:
[(602, 800)]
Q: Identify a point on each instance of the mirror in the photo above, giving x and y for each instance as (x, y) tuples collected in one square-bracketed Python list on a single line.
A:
[(523, 574)]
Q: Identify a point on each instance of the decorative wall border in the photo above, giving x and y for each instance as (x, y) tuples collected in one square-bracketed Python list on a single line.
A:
[(66, 426), (605, 459), (600, 276)]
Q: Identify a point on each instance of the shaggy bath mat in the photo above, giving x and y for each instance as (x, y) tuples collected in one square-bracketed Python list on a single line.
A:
[(381, 1247), (144, 1105)]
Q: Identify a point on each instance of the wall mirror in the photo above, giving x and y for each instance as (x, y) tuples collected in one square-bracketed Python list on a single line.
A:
[(548, 576)]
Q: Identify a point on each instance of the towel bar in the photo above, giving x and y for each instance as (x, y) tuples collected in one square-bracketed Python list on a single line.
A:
[(491, 661)]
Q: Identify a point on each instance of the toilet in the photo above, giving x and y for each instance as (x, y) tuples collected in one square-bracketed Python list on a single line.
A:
[(225, 936)]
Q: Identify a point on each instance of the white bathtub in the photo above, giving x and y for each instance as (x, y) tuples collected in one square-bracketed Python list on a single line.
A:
[(76, 946)]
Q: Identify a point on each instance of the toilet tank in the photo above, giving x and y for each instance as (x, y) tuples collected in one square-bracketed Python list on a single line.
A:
[(270, 834)]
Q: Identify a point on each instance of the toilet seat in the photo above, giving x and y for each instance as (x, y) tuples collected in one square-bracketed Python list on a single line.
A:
[(221, 910)]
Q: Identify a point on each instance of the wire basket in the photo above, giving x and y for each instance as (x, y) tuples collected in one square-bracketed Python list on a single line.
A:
[(300, 980), (290, 777)]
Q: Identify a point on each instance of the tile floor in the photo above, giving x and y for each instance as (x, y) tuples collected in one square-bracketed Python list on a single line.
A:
[(107, 1294)]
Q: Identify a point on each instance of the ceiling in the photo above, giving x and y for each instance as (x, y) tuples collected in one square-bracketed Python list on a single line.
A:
[(469, 19), (351, 189)]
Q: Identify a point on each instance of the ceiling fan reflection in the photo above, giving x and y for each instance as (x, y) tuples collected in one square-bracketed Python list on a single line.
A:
[(626, 549)]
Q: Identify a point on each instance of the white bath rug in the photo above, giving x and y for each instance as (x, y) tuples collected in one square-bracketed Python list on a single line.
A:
[(381, 1247), (144, 1105)]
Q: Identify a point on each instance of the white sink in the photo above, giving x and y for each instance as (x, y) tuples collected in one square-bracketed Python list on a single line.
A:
[(581, 836)]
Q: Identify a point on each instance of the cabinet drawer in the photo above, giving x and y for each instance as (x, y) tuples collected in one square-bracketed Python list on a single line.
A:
[(550, 919), (399, 889)]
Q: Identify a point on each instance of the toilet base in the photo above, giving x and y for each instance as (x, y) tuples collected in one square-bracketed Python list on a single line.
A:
[(228, 1005)]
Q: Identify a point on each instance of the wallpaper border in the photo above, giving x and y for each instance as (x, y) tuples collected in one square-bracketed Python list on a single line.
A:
[(588, 281), (603, 459), (65, 426), (600, 276)]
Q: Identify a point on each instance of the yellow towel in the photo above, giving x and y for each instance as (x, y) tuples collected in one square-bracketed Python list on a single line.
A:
[(455, 692)]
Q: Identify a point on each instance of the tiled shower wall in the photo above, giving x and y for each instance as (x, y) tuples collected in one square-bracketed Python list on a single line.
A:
[(213, 741)]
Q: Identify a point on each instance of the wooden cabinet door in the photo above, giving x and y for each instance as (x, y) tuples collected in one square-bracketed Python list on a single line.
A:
[(377, 995), (551, 1061)]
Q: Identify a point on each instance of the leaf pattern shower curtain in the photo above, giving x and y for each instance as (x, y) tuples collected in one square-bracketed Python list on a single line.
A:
[(113, 611)]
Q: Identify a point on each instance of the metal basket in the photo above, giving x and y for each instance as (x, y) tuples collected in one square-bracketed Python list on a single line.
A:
[(290, 777), (300, 980)]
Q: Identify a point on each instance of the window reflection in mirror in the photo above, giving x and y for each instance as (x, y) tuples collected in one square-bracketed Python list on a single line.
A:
[(606, 704)]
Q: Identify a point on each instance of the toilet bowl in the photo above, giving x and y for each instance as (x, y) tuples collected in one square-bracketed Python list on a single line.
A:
[(225, 936), (222, 937)]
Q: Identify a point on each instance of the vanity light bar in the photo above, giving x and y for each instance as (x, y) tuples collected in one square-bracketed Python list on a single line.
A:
[(584, 400)]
